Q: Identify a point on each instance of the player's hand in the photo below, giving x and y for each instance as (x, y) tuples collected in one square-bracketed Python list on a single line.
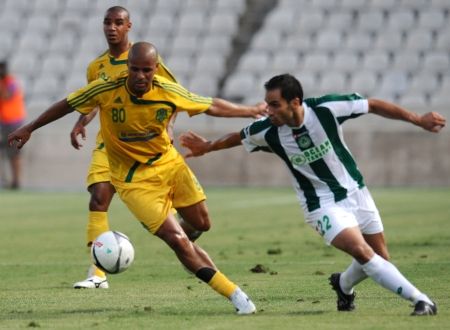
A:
[(78, 129), (432, 121), (260, 110), (19, 137), (197, 144)]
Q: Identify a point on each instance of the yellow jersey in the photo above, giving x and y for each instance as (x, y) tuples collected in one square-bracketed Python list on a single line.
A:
[(135, 129), (106, 66)]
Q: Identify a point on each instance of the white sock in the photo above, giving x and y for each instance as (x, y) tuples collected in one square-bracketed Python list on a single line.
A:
[(388, 276), (353, 275)]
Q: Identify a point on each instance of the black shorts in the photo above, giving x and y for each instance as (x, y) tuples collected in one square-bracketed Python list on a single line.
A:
[(5, 130)]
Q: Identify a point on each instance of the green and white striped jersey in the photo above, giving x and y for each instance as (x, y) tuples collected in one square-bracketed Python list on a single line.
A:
[(323, 169)]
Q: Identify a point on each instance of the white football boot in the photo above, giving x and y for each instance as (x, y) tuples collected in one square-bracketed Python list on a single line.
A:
[(92, 281), (242, 303)]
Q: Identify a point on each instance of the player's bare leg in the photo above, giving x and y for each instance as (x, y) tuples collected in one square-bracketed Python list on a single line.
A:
[(101, 196), (199, 263), (344, 283), (351, 241), (194, 220), (378, 243), (15, 171)]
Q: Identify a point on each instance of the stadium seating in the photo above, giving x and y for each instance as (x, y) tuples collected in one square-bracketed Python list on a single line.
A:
[(284, 62), (39, 24), (424, 84), (62, 44), (432, 19), (333, 82), (345, 61), (377, 61), (393, 84), (398, 50), (315, 62), (44, 86), (419, 41), (407, 61), (240, 85), (370, 21), (363, 82), (18, 7), (383, 48), (359, 41), (436, 62), (328, 41), (414, 101), (392, 48), (204, 84), (401, 20), (223, 23)]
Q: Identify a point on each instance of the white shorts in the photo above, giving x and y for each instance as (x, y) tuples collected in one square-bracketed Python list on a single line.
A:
[(358, 209)]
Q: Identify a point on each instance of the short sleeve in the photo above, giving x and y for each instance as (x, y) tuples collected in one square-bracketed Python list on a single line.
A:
[(90, 74), (84, 100), (184, 100), (346, 106), (253, 136), (164, 71)]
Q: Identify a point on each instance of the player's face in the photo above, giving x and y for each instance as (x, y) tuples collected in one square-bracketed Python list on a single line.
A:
[(280, 110), (141, 70), (116, 26)]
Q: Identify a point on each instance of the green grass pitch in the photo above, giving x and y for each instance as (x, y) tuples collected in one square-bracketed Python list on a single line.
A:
[(42, 254)]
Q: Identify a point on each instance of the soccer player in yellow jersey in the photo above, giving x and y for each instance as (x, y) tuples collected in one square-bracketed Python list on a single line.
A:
[(149, 175), (116, 25)]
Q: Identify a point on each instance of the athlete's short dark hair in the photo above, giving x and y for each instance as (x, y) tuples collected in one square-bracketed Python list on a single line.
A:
[(290, 87)]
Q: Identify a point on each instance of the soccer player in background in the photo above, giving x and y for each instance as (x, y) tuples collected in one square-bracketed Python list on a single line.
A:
[(12, 116), (307, 136), (116, 25), (146, 170)]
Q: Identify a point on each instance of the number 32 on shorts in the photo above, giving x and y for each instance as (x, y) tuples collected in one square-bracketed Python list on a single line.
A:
[(323, 225)]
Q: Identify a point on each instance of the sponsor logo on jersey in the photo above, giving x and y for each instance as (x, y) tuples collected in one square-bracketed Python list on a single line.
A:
[(137, 136), (304, 141), (312, 154), (161, 115), (103, 76), (118, 100)]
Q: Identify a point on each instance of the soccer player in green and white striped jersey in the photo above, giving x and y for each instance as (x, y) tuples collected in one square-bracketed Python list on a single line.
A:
[(307, 136)]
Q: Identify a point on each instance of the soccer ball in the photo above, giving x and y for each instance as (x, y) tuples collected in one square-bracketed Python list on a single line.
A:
[(112, 252)]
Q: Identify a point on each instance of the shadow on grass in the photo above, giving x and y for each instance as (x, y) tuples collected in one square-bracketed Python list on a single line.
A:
[(305, 313), (92, 311)]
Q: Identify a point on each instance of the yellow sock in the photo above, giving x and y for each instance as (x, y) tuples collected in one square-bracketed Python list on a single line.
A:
[(98, 272), (97, 224), (220, 283)]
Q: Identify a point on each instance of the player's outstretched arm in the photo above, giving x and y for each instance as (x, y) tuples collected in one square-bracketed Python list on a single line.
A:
[(430, 121), (224, 108), (79, 128), (21, 135), (199, 146)]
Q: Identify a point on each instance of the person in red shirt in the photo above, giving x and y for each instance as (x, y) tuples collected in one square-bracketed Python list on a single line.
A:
[(12, 116)]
